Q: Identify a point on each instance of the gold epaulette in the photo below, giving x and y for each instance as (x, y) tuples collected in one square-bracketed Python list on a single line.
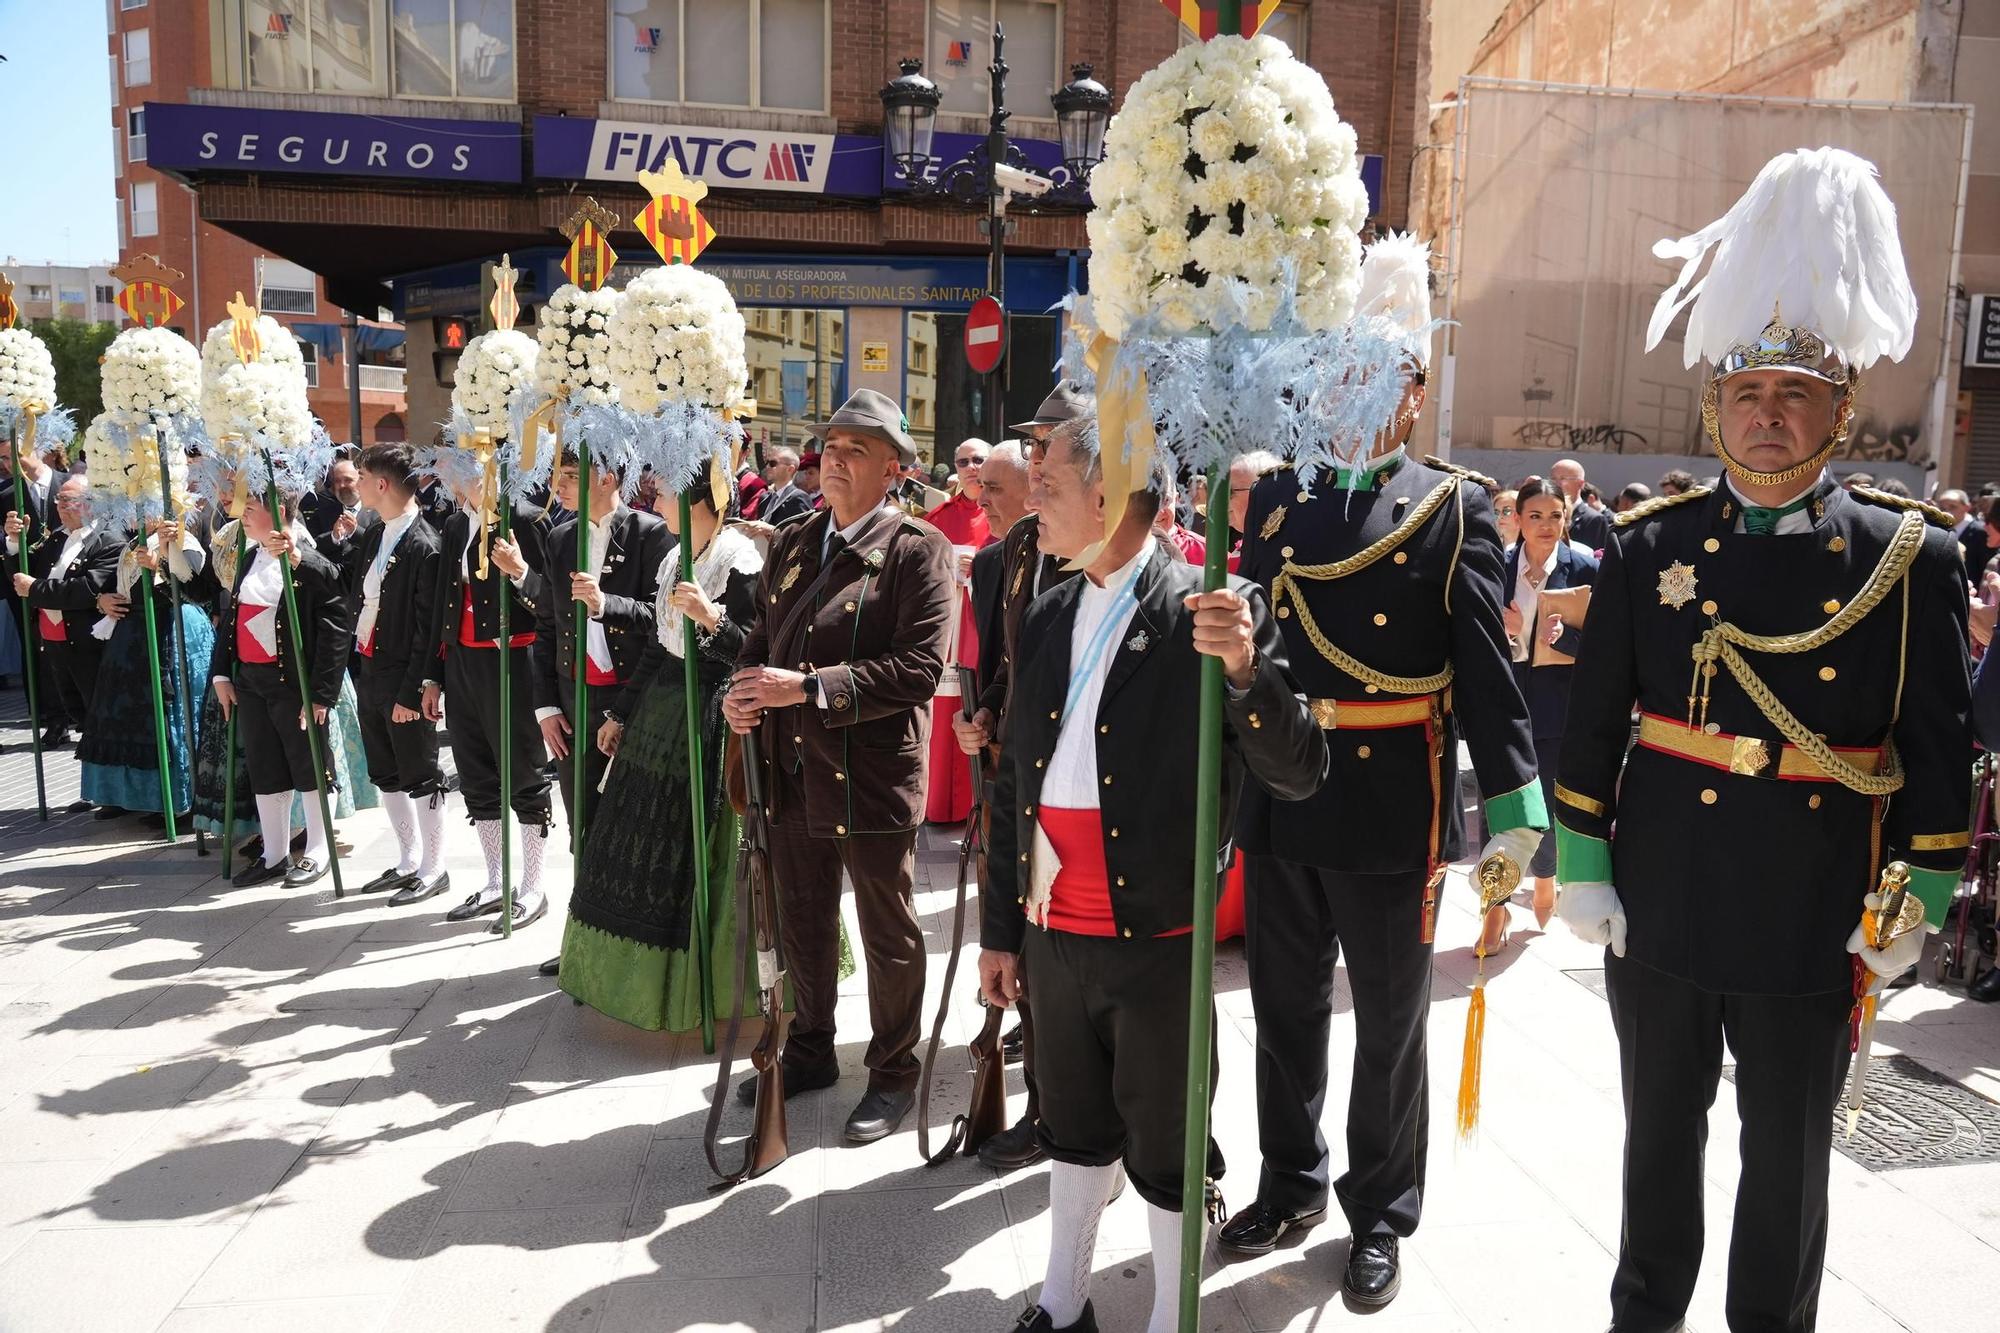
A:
[(1431, 460), (1929, 511), (1659, 504)]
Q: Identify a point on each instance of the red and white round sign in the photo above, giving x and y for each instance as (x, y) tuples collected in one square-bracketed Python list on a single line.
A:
[(985, 335)]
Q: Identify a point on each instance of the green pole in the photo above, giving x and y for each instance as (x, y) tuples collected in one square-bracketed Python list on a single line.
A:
[(697, 795), (180, 640), (305, 687), (229, 748), (30, 653), (579, 666), (1228, 23), (1201, 967), (145, 589), (504, 519)]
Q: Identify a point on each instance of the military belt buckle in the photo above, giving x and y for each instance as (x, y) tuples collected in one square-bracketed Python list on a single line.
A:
[(1325, 713), (1750, 757)]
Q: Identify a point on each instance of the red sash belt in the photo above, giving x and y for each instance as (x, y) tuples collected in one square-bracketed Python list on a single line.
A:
[(468, 633), (54, 628), (247, 647), (1080, 898)]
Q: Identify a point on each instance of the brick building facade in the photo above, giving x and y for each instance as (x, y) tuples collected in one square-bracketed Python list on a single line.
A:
[(160, 52), (480, 124)]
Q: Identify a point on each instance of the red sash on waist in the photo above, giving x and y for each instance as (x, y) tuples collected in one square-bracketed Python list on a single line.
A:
[(1080, 899), (594, 675), (468, 633), (247, 647), (367, 646), (55, 629)]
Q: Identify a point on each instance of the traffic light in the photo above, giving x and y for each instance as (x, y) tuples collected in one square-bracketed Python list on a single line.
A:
[(451, 334)]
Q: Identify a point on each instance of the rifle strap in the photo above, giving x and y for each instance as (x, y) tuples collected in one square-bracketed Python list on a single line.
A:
[(959, 1123), (745, 964)]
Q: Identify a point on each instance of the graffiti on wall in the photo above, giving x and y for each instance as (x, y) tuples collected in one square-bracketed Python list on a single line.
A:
[(1602, 439)]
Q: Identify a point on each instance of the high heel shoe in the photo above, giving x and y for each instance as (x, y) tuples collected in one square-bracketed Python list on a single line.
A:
[(1544, 902), (1488, 945)]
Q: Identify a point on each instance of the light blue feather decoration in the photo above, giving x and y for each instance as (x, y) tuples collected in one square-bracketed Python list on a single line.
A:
[(676, 443)]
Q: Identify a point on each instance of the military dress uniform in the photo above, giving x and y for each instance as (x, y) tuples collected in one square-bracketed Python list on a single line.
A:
[(1389, 600), (1802, 701)]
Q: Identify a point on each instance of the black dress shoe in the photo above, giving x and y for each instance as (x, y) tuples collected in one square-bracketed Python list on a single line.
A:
[(473, 907), (523, 916), (1013, 1147), (419, 889), (78, 807), (108, 812), (796, 1082), (258, 873), (878, 1114), (391, 878), (305, 871), (1987, 988), (1374, 1275), (1013, 1045), (1035, 1319), (1259, 1228), (552, 968), (54, 737)]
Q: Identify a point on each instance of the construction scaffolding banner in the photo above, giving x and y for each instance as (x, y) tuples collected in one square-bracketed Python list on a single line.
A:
[(1558, 197)]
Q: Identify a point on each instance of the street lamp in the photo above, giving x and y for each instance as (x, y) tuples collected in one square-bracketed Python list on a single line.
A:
[(996, 169)]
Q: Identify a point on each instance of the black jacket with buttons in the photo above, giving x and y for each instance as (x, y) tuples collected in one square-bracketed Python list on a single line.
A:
[(75, 594), (326, 631), (1751, 883), (404, 614), (1146, 742), (630, 583), (1432, 601), (448, 607)]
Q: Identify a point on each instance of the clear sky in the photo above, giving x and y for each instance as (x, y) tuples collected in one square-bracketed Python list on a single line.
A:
[(56, 199)]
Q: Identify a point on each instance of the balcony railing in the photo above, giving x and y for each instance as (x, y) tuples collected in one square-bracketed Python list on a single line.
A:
[(384, 379)]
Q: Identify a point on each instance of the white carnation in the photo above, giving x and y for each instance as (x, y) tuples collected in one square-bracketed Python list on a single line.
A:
[(27, 372), (676, 337), (151, 373), (263, 400), (491, 370)]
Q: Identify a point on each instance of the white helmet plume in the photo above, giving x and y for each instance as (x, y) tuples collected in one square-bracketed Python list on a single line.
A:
[(1396, 286)]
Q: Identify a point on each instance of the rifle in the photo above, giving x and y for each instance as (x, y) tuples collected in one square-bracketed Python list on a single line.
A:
[(987, 1115), (766, 1146)]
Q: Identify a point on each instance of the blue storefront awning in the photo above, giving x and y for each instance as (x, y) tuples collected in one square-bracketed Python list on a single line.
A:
[(330, 339)]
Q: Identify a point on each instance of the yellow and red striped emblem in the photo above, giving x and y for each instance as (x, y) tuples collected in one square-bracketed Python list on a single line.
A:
[(672, 224), (149, 303), (589, 261), (1203, 18)]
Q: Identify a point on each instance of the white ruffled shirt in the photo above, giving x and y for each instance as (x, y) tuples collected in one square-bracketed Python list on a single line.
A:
[(729, 552), (371, 582)]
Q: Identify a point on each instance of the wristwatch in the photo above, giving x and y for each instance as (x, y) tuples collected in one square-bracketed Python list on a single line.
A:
[(811, 686)]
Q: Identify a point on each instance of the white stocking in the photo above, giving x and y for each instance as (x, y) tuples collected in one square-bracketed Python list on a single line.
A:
[(1165, 1229), (534, 851), (402, 813), (1077, 1195), (430, 820), (489, 845), (315, 828), (274, 821)]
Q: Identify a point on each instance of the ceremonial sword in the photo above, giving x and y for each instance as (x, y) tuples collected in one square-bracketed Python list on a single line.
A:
[(1878, 928)]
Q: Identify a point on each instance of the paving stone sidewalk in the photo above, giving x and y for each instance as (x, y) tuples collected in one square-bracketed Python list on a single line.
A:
[(225, 1109)]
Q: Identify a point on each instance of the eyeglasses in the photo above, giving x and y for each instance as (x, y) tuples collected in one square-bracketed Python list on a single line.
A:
[(1504, 511), (970, 460)]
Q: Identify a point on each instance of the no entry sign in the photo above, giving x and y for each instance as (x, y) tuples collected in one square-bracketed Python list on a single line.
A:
[(985, 340)]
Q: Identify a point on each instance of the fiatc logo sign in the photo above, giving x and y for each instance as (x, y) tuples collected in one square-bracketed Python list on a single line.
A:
[(746, 159), (278, 26), (646, 41)]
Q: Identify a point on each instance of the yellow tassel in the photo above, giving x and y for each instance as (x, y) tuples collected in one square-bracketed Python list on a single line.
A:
[(1468, 1070)]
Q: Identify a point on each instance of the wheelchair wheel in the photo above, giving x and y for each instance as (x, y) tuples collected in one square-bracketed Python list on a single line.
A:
[(1944, 961)]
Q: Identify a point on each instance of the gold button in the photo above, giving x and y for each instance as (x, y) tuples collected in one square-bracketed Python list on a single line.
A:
[(798, 740), (1128, 932), (1837, 545), (1711, 546), (1372, 689), (1024, 858), (850, 606), (839, 776), (1402, 557), (1104, 728), (1830, 605), (1827, 673), (1029, 810), (1708, 670), (1304, 496), (1285, 551), (1362, 752), (1121, 881), (1254, 723), (1708, 608), (840, 829), (1114, 833), (1055, 714), (1708, 796), (1107, 779), (1381, 619), (1041, 763), (1712, 728), (1812, 801), (774, 599), (1284, 612)]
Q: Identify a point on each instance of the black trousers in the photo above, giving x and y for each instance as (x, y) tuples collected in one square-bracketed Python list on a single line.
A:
[(594, 758), (72, 668), (472, 721), (882, 867), (402, 756), (276, 750), (1298, 919), (1111, 1039), (1791, 1062)]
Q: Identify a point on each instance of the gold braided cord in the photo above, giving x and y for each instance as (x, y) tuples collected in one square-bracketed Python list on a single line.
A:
[(1843, 422), (1352, 665), (1368, 555), (1720, 643)]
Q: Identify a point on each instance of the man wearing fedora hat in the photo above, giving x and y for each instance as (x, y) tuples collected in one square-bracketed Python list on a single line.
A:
[(854, 609)]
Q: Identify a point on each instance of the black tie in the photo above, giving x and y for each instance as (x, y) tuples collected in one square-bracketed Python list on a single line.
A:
[(834, 546)]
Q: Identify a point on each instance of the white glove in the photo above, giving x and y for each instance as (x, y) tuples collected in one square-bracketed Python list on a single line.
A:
[(1594, 914), (1902, 953), (1518, 845)]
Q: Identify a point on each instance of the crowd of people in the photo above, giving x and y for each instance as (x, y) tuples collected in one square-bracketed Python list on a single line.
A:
[(859, 626)]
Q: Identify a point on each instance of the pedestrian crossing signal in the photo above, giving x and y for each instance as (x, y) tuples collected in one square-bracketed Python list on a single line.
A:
[(452, 333)]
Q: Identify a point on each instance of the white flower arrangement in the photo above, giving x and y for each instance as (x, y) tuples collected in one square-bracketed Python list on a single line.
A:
[(676, 337), (575, 341), (263, 401), (27, 372), (1226, 166), (493, 368), (152, 374)]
